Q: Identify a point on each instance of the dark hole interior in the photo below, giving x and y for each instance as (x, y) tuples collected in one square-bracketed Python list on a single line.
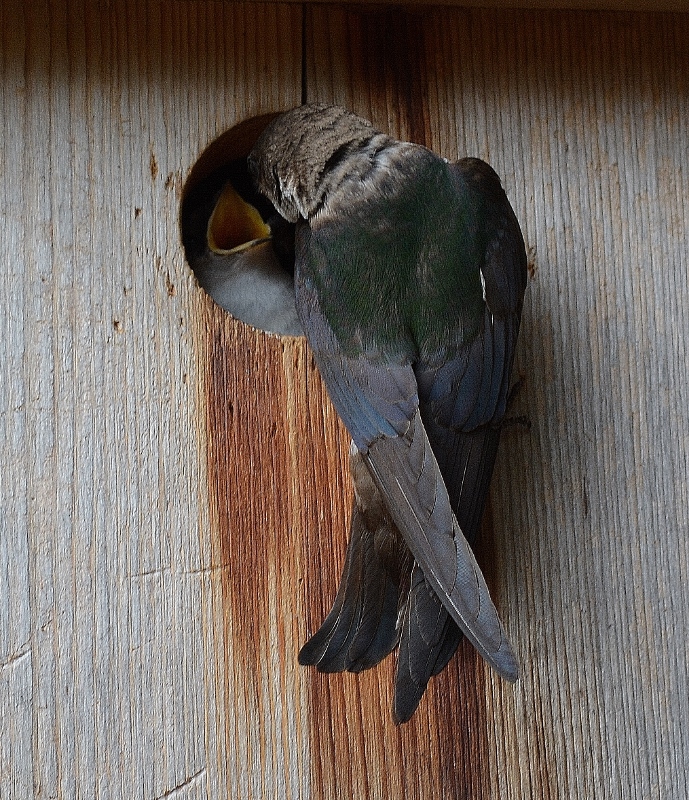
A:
[(247, 272)]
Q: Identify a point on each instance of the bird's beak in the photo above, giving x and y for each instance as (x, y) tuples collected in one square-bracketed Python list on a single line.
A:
[(235, 225)]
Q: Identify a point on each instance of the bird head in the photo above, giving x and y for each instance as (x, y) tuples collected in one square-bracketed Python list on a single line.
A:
[(291, 160)]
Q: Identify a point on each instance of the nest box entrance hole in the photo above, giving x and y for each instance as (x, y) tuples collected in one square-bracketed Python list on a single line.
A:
[(240, 249)]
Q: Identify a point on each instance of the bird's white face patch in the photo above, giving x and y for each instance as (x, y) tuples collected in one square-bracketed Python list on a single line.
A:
[(290, 207)]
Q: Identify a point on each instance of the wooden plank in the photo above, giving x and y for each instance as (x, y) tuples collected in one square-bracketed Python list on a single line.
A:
[(113, 680), (681, 6), (585, 118), (175, 497)]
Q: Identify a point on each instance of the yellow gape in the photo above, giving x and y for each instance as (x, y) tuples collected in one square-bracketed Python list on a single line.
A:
[(235, 224)]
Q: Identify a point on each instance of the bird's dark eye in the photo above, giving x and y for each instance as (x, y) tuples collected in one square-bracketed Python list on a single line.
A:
[(253, 167)]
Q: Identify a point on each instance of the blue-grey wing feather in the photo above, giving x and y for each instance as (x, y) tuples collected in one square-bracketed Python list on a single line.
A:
[(360, 630), (451, 398)]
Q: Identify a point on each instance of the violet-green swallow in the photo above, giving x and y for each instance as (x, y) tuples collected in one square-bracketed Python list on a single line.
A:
[(409, 277)]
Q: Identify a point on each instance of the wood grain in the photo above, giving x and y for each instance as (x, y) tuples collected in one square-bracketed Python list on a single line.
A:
[(174, 494), (113, 680), (547, 5)]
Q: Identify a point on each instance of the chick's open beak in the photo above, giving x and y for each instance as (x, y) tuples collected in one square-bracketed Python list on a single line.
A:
[(234, 224)]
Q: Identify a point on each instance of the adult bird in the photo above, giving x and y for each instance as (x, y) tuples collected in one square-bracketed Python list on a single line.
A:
[(410, 274)]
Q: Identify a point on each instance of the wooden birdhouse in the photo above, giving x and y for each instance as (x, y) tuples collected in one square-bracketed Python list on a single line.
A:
[(174, 492)]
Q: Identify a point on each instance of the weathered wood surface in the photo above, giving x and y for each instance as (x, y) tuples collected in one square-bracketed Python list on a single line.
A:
[(579, 5), (112, 669), (170, 477)]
